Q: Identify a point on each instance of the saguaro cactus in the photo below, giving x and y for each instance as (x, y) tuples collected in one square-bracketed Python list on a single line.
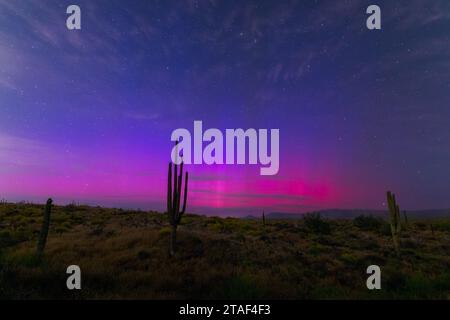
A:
[(173, 200), (44, 229), (395, 221), (264, 219)]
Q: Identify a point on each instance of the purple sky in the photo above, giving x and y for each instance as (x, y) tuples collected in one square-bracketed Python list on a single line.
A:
[(86, 116)]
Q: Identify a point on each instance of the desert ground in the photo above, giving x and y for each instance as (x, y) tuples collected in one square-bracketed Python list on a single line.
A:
[(124, 255)]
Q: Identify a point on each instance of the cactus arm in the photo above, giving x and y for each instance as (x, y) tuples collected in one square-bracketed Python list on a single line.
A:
[(169, 189), (185, 193), (180, 184), (175, 188), (169, 194), (175, 183)]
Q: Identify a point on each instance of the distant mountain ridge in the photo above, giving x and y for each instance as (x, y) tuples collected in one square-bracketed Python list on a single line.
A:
[(353, 213)]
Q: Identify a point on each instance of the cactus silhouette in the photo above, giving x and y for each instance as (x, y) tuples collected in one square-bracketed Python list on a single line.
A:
[(395, 222), (45, 226), (173, 200), (264, 220)]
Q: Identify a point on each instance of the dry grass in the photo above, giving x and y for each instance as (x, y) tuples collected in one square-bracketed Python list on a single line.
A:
[(124, 255)]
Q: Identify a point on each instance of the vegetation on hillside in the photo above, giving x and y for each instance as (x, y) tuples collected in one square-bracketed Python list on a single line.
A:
[(124, 254)]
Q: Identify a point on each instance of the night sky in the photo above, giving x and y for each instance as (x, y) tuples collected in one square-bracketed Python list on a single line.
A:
[(86, 115)]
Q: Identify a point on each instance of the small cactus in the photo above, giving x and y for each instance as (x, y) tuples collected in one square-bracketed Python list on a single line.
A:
[(395, 222), (45, 227)]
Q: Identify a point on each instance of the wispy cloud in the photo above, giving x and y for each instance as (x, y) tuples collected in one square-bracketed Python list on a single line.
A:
[(21, 152)]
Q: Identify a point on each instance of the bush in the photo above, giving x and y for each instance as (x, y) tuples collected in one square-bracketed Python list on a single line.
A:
[(241, 287), (368, 223), (315, 223), (442, 225), (10, 238), (165, 232), (72, 207), (316, 249)]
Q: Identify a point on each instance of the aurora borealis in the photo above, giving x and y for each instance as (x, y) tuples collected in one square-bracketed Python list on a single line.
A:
[(86, 115)]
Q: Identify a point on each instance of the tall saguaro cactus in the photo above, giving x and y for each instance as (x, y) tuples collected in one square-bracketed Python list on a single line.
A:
[(173, 200), (395, 220), (45, 226)]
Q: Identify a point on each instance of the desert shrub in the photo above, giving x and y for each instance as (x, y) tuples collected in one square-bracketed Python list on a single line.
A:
[(411, 243), (28, 212), (349, 258), (10, 238), (186, 220), (316, 249), (70, 207), (60, 218), (226, 226), (316, 224), (368, 223), (19, 221), (76, 219), (164, 232), (98, 220), (28, 259), (64, 227), (241, 287), (442, 282), (231, 225), (12, 211), (421, 225), (442, 225), (215, 226), (5, 238), (421, 286), (395, 279)]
